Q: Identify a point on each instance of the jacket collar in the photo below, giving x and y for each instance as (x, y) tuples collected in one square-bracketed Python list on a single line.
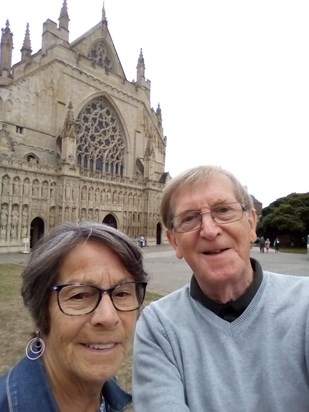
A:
[(28, 390)]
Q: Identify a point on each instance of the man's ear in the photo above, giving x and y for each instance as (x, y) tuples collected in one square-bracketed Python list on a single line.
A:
[(171, 237), (252, 219)]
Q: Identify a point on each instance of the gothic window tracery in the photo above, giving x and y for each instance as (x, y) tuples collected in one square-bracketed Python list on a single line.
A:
[(100, 138), (100, 54)]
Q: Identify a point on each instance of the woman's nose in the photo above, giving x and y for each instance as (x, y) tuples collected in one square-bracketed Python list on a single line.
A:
[(105, 313)]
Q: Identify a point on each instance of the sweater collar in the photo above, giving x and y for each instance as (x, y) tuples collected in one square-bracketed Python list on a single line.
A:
[(231, 310)]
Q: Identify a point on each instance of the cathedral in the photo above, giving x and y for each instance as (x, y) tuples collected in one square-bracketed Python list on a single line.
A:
[(78, 141)]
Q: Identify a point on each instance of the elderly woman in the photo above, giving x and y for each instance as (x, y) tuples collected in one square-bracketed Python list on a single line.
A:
[(83, 286)]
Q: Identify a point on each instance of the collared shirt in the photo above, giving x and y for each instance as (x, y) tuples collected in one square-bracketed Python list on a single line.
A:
[(231, 310)]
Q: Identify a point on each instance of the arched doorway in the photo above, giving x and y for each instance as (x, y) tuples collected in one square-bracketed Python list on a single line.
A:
[(110, 221), (159, 232), (36, 230)]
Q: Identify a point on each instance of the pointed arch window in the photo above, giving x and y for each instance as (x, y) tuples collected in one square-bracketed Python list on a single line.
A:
[(100, 138), (31, 158), (99, 164), (101, 55)]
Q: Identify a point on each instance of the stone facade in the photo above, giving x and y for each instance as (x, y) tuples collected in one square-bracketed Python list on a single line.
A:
[(78, 141)]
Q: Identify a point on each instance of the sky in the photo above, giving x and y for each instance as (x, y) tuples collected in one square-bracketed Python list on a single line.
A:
[(231, 77)]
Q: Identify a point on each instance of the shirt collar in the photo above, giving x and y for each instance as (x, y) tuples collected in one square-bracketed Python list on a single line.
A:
[(230, 310)]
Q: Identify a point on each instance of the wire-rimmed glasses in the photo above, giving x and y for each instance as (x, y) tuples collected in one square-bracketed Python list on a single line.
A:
[(191, 220), (79, 299)]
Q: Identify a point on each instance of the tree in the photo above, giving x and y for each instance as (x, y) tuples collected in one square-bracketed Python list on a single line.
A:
[(287, 216)]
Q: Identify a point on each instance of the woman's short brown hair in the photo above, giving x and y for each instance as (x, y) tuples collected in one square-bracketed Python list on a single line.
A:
[(42, 269)]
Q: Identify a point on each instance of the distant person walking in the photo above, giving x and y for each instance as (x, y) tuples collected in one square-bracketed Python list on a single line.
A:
[(277, 245), (267, 245), (141, 241), (262, 244)]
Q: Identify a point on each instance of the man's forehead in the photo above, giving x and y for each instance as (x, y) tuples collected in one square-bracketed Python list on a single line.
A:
[(218, 186)]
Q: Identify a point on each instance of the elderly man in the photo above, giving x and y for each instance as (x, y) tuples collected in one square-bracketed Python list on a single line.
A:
[(236, 338)]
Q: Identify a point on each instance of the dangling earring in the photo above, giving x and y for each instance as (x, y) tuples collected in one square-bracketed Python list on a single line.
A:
[(35, 347)]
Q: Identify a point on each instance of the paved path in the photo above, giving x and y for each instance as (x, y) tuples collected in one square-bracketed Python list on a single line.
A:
[(167, 273)]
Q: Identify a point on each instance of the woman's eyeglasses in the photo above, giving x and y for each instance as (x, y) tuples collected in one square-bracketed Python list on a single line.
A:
[(79, 299)]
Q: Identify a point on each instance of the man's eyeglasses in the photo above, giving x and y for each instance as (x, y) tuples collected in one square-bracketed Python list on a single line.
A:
[(191, 220), (79, 299)]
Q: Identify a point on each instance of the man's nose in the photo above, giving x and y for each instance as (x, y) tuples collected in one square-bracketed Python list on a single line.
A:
[(209, 227)]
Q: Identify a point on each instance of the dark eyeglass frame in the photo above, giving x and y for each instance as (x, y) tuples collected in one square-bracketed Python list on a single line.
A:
[(243, 209), (58, 288)]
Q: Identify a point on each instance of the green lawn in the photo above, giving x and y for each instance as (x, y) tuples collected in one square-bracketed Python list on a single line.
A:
[(301, 251)]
